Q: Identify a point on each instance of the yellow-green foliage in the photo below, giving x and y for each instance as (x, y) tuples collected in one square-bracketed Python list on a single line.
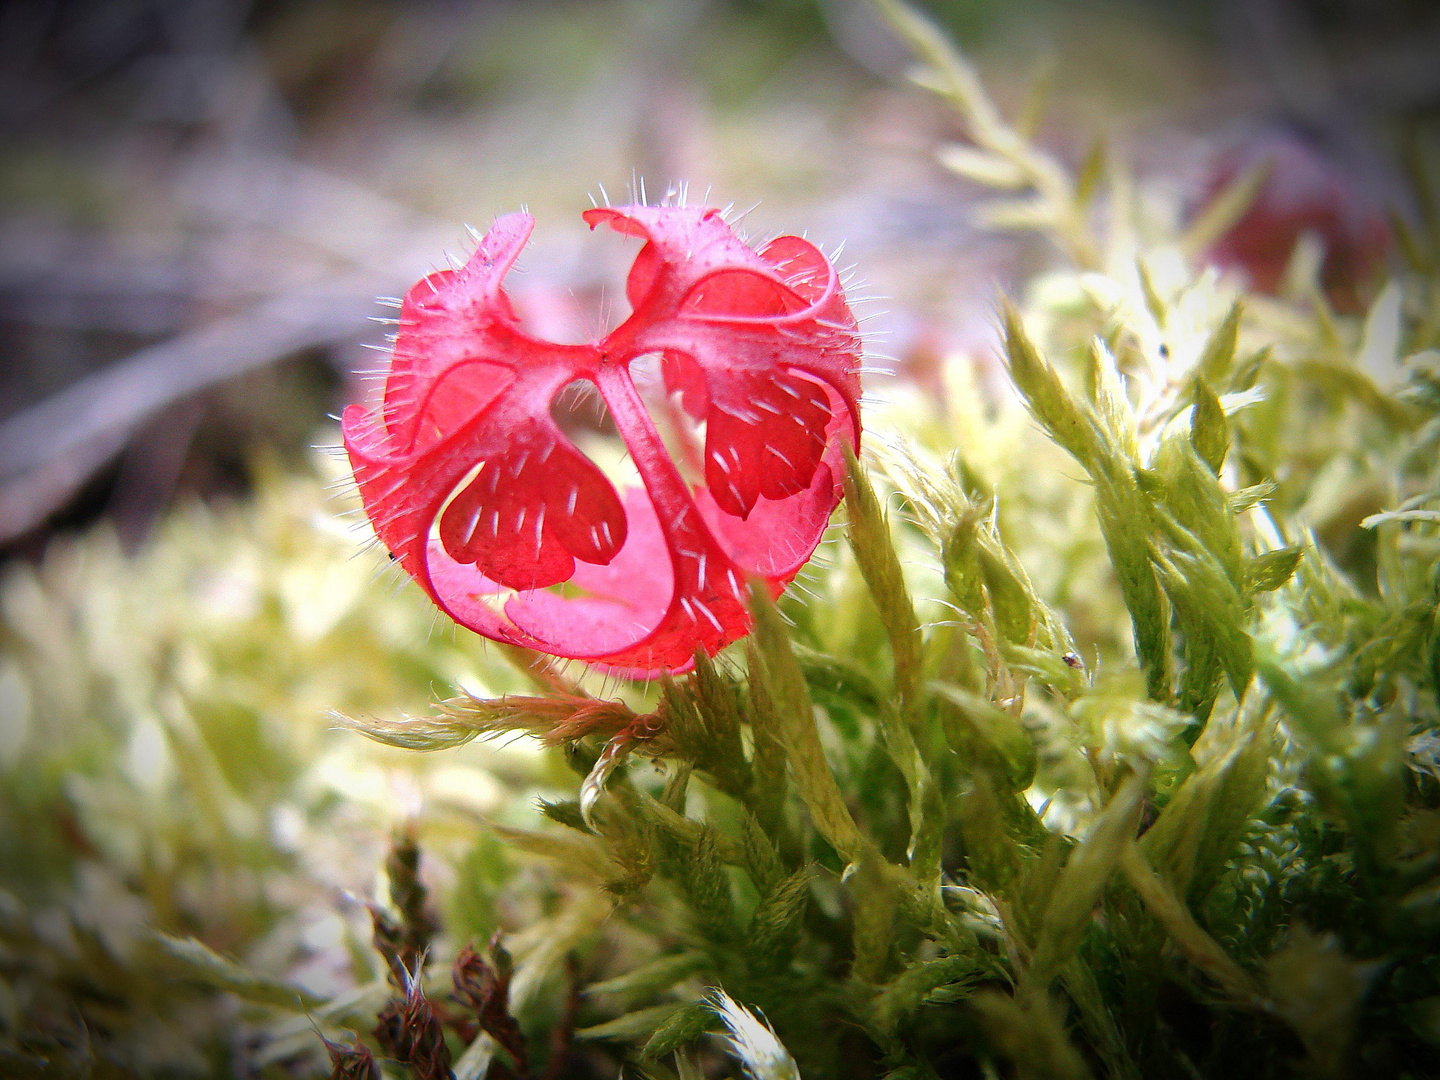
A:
[(1099, 739), (171, 766)]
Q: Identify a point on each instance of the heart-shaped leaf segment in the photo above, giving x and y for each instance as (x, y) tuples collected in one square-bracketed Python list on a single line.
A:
[(483, 499)]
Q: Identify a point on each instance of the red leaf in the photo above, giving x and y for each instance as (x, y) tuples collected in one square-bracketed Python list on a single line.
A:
[(472, 486)]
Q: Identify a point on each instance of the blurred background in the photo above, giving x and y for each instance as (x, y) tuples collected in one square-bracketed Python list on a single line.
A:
[(201, 199), (200, 203)]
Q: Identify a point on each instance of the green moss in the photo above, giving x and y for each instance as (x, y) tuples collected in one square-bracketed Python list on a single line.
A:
[(1101, 741)]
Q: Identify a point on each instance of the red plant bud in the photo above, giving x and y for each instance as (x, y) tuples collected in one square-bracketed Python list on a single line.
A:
[(354, 1062), (485, 986), (410, 897), (388, 939), (409, 1031), (482, 498)]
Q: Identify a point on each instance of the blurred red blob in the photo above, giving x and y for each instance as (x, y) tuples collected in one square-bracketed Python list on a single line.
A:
[(1304, 192), (481, 497)]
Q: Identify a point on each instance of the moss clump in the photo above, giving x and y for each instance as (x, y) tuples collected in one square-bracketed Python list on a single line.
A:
[(1100, 740)]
